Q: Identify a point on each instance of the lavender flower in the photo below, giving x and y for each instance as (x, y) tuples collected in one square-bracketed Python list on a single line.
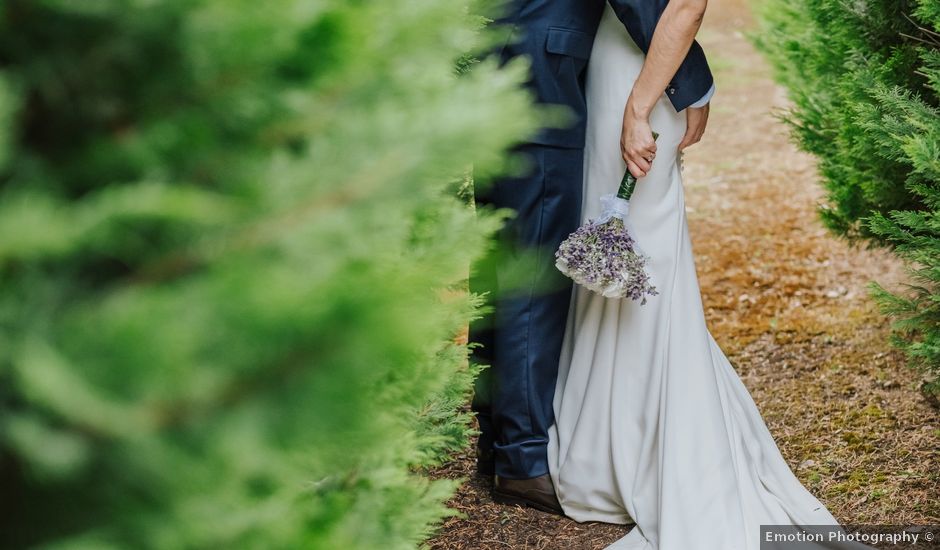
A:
[(603, 257)]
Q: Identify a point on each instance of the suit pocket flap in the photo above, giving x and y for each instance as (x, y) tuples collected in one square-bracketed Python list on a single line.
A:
[(568, 42)]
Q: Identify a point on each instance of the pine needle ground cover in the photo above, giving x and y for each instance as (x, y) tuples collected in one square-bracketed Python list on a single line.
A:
[(231, 265), (864, 80)]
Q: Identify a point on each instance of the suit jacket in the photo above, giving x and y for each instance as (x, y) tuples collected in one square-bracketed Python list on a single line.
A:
[(557, 35)]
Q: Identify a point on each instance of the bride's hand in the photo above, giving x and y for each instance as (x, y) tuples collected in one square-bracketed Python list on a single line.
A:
[(636, 142)]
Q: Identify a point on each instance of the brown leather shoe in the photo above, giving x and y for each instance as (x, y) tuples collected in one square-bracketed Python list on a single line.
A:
[(538, 493)]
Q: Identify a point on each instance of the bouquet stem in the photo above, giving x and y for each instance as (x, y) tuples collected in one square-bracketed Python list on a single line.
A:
[(627, 186)]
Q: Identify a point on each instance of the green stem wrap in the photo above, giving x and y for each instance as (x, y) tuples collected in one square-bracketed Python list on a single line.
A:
[(628, 183)]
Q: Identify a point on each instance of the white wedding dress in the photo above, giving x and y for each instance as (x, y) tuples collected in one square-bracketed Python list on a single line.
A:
[(652, 422)]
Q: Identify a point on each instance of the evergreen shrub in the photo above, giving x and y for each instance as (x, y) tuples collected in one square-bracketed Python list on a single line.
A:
[(232, 265), (864, 80)]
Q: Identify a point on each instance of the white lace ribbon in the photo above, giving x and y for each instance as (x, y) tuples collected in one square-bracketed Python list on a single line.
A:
[(613, 206)]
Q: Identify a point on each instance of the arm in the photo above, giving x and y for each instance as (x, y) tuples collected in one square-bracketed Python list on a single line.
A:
[(671, 62), (693, 78)]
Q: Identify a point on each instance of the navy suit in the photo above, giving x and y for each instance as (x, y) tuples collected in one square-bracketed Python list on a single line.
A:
[(521, 338)]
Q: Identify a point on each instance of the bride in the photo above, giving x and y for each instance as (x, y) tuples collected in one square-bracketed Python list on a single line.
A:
[(652, 424)]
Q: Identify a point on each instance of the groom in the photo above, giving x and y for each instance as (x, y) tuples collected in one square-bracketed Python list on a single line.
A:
[(521, 338)]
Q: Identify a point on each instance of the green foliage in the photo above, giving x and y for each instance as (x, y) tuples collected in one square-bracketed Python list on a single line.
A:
[(864, 79), (231, 265)]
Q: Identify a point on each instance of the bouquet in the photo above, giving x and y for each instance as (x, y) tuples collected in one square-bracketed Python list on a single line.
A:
[(602, 256)]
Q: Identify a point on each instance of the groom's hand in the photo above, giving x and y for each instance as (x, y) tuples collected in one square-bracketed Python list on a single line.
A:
[(697, 119), (636, 141)]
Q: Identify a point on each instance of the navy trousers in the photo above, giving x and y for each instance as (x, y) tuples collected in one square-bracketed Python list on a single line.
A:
[(521, 338)]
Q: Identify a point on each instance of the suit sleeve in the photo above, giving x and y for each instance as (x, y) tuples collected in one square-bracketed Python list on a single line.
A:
[(694, 79)]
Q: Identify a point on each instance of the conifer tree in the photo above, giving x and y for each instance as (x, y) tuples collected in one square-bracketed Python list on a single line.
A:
[(864, 79), (231, 265)]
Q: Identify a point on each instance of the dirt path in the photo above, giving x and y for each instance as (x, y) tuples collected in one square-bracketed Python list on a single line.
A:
[(788, 304)]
